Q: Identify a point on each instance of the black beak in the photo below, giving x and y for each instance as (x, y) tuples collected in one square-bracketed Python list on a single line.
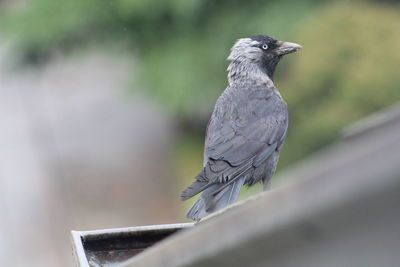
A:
[(286, 48)]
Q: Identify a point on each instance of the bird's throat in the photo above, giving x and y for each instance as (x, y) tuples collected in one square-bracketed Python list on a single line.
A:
[(250, 73), (269, 66)]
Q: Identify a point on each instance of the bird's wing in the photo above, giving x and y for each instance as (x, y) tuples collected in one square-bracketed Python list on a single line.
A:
[(237, 145), (249, 143)]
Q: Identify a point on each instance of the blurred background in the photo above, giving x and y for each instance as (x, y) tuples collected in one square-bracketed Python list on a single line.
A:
[(103, 104)]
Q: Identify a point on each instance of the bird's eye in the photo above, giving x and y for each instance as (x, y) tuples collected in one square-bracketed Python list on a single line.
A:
[(264, 46)]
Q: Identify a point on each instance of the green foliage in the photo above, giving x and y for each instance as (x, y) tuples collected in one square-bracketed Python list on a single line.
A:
[(44, 24), (348, 68)]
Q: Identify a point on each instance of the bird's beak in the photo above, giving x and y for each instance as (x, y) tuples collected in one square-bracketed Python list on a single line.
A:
[(286, 48)]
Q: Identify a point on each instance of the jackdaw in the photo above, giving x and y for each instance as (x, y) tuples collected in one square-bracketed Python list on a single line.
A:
[(247, 127)]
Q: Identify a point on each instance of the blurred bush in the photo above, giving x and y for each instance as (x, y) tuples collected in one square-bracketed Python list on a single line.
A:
[(348, 68)]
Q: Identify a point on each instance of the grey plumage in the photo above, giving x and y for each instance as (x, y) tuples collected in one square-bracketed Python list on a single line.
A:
[(247, 127)]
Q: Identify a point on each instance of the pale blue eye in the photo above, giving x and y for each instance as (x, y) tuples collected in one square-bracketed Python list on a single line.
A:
[(264, 46)]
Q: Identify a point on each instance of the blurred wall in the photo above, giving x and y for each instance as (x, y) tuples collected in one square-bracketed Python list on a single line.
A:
[(76, 153)]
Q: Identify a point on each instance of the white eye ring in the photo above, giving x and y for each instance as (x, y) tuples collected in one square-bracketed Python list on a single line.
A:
[(264, 46)]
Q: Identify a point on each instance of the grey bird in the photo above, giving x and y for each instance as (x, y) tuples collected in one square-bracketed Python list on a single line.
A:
[(247, 127)]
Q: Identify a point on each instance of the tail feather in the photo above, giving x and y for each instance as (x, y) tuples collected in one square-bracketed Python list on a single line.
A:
[(197, 211), (209, 203), (194, 189), (229, 195)]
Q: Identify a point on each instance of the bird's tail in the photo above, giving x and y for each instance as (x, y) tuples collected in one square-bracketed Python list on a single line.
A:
[(194, 189), (214, 198)]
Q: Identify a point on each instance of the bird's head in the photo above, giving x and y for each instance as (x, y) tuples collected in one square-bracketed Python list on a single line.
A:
[(260, 51)]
